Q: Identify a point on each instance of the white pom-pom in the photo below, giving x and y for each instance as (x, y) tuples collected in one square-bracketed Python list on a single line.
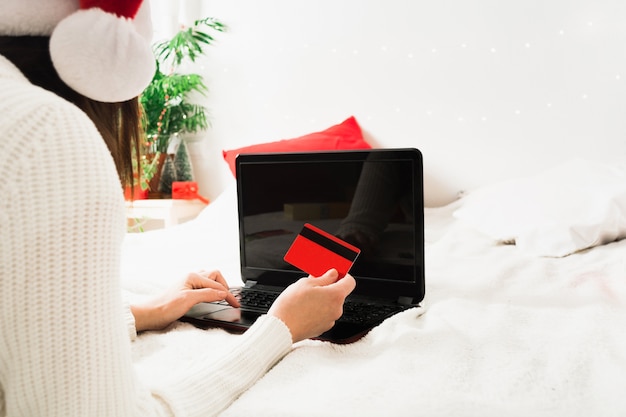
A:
[(102, 56)]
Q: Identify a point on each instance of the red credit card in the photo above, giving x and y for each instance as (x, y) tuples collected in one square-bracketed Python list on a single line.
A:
[(315, 251)]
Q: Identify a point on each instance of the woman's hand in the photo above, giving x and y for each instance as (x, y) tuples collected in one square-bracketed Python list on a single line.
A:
[(310, 306), (197, 287)]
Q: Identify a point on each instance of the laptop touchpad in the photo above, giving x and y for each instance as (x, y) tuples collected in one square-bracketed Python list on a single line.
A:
[(235, 315)]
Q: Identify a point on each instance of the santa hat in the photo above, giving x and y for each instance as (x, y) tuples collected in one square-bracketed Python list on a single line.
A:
[(100, 48)]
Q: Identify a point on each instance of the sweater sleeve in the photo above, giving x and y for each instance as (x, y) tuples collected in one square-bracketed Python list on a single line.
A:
[(64, 344), (209, 385), (129, 319)]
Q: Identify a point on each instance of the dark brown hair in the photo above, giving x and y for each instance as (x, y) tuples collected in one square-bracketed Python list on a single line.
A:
[(118, 123)]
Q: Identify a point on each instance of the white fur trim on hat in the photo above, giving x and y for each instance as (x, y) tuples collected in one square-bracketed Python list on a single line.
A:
[(33, 17), (102, 56)]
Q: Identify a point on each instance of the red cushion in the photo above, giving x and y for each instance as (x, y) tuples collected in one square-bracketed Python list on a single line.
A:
[(345, 135)]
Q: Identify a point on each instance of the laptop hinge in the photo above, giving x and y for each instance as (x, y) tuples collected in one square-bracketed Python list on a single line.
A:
[(406, 301), (249, 284)]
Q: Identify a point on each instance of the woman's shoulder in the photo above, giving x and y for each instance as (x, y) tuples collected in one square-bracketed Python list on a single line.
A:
[(31, 116), (41, 129)]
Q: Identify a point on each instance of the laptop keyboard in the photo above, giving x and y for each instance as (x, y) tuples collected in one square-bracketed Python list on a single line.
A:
[(256, 299), (358, 312), (367, 313)]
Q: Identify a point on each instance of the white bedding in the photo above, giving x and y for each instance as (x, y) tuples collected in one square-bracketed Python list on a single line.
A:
[(501, 333)]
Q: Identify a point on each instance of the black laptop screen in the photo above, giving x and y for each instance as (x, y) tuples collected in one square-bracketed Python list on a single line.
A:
[(371, 199)]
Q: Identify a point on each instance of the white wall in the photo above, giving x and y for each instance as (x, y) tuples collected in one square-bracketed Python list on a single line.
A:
[(486, 89)]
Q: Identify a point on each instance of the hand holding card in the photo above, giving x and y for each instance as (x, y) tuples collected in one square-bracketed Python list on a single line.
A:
[(315, 251)]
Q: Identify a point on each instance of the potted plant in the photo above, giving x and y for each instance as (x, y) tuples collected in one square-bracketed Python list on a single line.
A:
[(166, 103)]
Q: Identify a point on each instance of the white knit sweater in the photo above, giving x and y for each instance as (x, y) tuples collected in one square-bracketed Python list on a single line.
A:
[(64, 344)]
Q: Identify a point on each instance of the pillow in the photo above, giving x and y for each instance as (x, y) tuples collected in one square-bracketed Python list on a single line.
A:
[(345, 135), (577, 205)]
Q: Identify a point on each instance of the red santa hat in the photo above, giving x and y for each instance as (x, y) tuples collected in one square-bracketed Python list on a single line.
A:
[(100, 48)]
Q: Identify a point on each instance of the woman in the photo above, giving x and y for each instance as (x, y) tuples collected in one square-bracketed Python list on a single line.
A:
[(67, 135)]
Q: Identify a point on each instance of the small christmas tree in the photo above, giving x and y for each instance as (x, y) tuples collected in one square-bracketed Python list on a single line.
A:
[(168, 176), (177, 167), (182, 163)]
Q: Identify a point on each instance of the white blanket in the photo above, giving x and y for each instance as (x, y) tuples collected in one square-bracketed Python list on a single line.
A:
[(500, 333)]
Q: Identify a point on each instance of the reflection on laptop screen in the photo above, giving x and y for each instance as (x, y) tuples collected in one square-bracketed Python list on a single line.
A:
[(366, 198)]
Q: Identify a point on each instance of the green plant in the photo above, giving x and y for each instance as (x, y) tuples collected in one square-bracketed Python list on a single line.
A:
[(166, 101)]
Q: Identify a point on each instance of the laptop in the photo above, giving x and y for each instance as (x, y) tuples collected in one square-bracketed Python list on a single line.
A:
[(372, 199)]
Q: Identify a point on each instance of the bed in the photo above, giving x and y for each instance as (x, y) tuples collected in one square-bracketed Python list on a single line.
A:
[(517, 319)]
